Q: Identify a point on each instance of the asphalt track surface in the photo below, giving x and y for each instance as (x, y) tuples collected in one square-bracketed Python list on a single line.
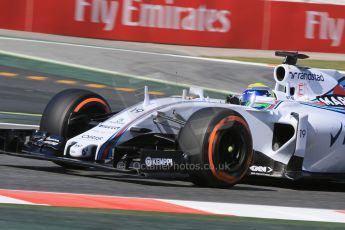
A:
[(156, 63), (19, 94), (22, 95)]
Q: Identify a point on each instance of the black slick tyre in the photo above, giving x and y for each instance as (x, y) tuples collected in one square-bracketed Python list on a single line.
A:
[(68, 104), (219, 145)]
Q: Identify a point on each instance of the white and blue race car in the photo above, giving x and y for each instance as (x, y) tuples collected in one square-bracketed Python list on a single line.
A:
[(296, 131)]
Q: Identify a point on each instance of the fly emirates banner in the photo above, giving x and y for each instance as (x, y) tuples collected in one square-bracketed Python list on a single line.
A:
[(191, 22), (250, 24)]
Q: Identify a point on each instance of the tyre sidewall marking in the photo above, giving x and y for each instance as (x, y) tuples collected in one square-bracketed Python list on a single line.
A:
[(90, 100)]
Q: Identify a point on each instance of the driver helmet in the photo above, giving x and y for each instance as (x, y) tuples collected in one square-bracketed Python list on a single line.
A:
[(257, 89)]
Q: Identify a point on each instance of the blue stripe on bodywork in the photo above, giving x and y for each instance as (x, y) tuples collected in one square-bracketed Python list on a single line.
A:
[(325, 107)]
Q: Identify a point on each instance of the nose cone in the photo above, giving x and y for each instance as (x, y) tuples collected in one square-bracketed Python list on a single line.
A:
[(81, 151)]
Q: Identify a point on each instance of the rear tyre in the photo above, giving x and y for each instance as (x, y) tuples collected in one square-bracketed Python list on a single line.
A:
[(219, 145), (58, 116)]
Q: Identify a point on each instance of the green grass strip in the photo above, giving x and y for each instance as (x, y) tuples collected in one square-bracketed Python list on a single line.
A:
[(51, 218)]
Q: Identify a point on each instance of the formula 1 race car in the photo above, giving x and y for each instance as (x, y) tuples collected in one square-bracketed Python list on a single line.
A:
[(297, 132)]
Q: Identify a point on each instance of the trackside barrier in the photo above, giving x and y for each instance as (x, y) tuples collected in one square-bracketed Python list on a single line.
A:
[(254, 24), (310, 27)]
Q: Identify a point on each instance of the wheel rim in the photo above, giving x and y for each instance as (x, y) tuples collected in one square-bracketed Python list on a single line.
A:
[(230, 150), (230, 133)]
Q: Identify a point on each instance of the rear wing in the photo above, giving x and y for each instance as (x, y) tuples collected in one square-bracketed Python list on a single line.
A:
[(291, 58)]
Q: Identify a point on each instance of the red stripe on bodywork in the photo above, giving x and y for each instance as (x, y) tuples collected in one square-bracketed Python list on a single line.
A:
[(95, 201)]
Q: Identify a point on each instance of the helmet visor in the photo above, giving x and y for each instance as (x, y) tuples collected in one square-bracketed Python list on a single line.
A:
[(250, 92)]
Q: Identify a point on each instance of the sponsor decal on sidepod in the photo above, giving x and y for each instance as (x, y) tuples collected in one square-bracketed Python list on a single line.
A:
[(158, 161)]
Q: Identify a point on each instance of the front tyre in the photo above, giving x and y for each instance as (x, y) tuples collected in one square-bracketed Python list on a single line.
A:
[(61, 110), (63, 116), (219, 144)]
